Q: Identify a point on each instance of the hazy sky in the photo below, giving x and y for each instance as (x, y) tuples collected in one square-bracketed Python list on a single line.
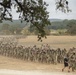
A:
[(57, 14)]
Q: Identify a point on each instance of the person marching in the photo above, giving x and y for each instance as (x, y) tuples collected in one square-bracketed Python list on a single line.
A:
[(72, 62), (66, 63)]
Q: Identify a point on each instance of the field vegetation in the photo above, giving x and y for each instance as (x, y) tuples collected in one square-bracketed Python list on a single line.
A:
[(54, 41)]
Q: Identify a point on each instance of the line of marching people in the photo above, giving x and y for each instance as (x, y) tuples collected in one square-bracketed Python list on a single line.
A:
[(43, 54)]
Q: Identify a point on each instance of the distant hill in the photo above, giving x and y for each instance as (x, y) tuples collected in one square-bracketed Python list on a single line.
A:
[(55, 23), (56, 20), (15, 22), (23, 24)]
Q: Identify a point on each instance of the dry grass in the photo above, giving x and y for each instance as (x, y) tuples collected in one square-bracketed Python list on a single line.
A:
[(54, 41)]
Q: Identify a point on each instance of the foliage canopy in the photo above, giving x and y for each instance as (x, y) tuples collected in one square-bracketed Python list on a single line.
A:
[(33, 11)]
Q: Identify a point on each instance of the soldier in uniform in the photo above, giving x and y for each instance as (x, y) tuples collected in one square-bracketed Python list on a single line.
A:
[(72, 62)]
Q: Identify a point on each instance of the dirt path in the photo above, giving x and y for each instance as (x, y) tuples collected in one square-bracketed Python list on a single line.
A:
[(17, 64), (34, 72), (12, 66)]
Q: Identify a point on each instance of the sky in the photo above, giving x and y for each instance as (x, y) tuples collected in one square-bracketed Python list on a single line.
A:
[(53, 13)]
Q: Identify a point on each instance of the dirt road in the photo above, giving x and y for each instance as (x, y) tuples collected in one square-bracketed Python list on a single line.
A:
[(32, 72), (11, 66)]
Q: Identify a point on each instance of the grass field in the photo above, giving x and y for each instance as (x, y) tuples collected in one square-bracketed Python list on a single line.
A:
[(54, 41)]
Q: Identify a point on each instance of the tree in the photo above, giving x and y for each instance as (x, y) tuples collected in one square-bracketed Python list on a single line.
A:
[(5, 29), (33, 11), (72, 27), (62, 5), (15, 29), (25, 31)]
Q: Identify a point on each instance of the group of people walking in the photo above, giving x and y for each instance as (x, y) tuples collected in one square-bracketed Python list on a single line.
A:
[(70, 60), (42, 54)]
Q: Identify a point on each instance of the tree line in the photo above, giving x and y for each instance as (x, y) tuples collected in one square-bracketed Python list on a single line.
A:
[(20, 28)]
